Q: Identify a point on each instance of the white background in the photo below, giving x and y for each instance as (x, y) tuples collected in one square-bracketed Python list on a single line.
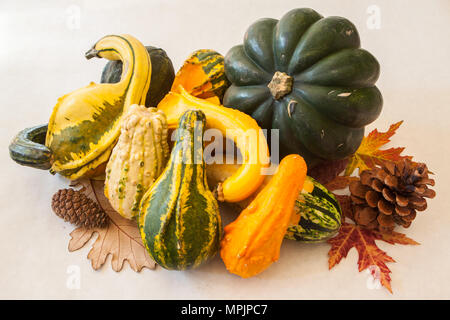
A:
[(42, 45)]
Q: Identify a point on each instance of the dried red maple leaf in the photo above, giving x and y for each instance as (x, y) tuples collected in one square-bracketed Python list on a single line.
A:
[(350, 236), (394, 237), (369, 153), (369, 255)]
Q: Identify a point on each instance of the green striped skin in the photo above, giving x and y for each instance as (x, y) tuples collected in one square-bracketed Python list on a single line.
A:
[(320, 216), (28, 149), (333, 94), (74, 140), (179, 217), (212, 64)]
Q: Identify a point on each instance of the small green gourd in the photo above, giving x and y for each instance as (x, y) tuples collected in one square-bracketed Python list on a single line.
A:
[(179, 217), (320, 215)]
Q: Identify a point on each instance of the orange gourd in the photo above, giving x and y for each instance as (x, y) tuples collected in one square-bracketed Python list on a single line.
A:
[(203, 76), (252, 242)]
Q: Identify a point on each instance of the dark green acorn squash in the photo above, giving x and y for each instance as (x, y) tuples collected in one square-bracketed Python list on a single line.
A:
[(162, 77), (308, 77)]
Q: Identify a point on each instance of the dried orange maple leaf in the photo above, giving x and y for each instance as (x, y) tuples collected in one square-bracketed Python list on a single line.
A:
[(369, 255), (121, 238), (369, 153)]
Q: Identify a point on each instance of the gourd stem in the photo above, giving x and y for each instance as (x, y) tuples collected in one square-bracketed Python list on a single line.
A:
[(280, 85), (91, 53), (219, 193)]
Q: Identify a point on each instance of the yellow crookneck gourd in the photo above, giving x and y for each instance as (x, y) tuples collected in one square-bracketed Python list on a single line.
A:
[(85, 124), (234, 125)]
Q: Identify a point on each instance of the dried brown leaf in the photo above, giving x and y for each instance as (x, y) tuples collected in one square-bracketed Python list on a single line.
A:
[(121, 238)]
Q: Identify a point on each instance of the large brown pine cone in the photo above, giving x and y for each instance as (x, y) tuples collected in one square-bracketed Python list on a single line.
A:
[(391, 194), (75, 207)]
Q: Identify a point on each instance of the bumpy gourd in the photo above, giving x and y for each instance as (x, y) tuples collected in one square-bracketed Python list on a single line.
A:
[(252, 242), (179, 217), (137, 160), (235, 125), (85, 124)]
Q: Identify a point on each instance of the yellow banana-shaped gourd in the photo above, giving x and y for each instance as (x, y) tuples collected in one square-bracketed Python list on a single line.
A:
[(85, 124), (236, 126)]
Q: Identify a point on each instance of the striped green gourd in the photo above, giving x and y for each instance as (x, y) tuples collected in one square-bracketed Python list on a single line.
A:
[(320, 215), (179, 217), (203, 75), (137, 160)]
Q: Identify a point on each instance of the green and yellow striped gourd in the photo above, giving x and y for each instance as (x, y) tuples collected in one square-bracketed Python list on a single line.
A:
[(319, 212), (137, 160), (203, 75), (85, 124), (179, 217)]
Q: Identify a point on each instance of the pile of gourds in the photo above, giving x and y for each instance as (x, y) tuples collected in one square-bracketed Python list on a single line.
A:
[(304, 75)]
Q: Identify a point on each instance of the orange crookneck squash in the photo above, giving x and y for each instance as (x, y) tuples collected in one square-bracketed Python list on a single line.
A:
[(252, 242)]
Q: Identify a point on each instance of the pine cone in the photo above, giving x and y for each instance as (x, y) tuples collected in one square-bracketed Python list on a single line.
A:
[(75, 207), (391, 194)]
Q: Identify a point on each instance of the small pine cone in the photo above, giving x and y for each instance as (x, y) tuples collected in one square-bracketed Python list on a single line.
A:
[(75, 207), (391, 194)]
